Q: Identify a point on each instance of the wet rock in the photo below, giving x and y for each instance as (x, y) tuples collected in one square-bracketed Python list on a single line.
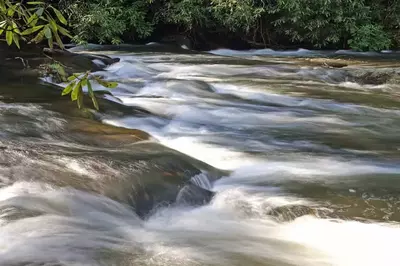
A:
[(79, 62), (127, 165), (30, 61), (193, 195), (144, 175), (376, 76), (327, 62), (31, 90), (97, 134), (290, 213)]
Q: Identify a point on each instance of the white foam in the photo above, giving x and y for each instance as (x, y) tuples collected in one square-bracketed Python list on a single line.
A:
[(352, 52), (40, 223), (77, 228), (99, 62), (312, 168), (270, 52), (219, 157)]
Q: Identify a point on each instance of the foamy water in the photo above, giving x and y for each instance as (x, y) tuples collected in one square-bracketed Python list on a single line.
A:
[(275, 140)]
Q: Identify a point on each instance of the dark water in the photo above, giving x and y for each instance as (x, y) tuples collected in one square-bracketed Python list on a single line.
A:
[(303, 162)]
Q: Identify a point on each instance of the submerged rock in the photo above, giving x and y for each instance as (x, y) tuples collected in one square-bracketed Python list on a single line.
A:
[(49, 140), (126, 165), (144, 175)]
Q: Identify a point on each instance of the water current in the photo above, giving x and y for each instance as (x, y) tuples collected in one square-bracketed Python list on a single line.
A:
[(302, 160)]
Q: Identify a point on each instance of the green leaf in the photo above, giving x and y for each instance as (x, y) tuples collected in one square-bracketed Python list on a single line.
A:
[(50, 42), (60, 70), (32, 20), (9, 35), (112, 85), (71, 78), (69, 88), (60, 17), (40, 11), (39, 37), (58, 39), (32, 30), (35, 3), (11, 11), (106, 84), (76, 91), (47, 32), (64, 31), (92, 96), (84, 82), (15, 28), (53, 25), (80, 99), (16, 40)]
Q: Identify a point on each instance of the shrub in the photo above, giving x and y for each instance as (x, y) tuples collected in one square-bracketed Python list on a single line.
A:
[(105, 21), (370, 37)]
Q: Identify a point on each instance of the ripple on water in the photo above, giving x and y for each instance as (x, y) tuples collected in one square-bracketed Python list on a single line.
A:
[(312, 160), (75, 228)]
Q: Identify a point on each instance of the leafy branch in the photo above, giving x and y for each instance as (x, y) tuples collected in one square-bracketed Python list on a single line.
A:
[(80, 80), (35, 22)]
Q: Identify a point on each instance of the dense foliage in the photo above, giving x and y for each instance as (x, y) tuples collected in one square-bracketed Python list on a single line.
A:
[(32, 21), (106, 21), (357, 24)]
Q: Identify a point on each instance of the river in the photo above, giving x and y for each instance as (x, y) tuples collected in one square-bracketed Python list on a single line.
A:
[(302, 160)]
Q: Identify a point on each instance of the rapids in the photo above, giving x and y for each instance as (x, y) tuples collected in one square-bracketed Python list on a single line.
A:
[(302, 161)]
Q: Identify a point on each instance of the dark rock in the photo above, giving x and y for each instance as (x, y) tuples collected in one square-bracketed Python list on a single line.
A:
[(194, 195)]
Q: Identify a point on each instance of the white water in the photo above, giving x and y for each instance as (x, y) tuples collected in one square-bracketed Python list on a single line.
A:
[(229, 125), (77, 226)]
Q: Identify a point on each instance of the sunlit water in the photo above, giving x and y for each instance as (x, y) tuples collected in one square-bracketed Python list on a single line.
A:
[(313, 161)]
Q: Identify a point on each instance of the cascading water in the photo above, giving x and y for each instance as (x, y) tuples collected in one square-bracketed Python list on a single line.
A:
[(309, 165)]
